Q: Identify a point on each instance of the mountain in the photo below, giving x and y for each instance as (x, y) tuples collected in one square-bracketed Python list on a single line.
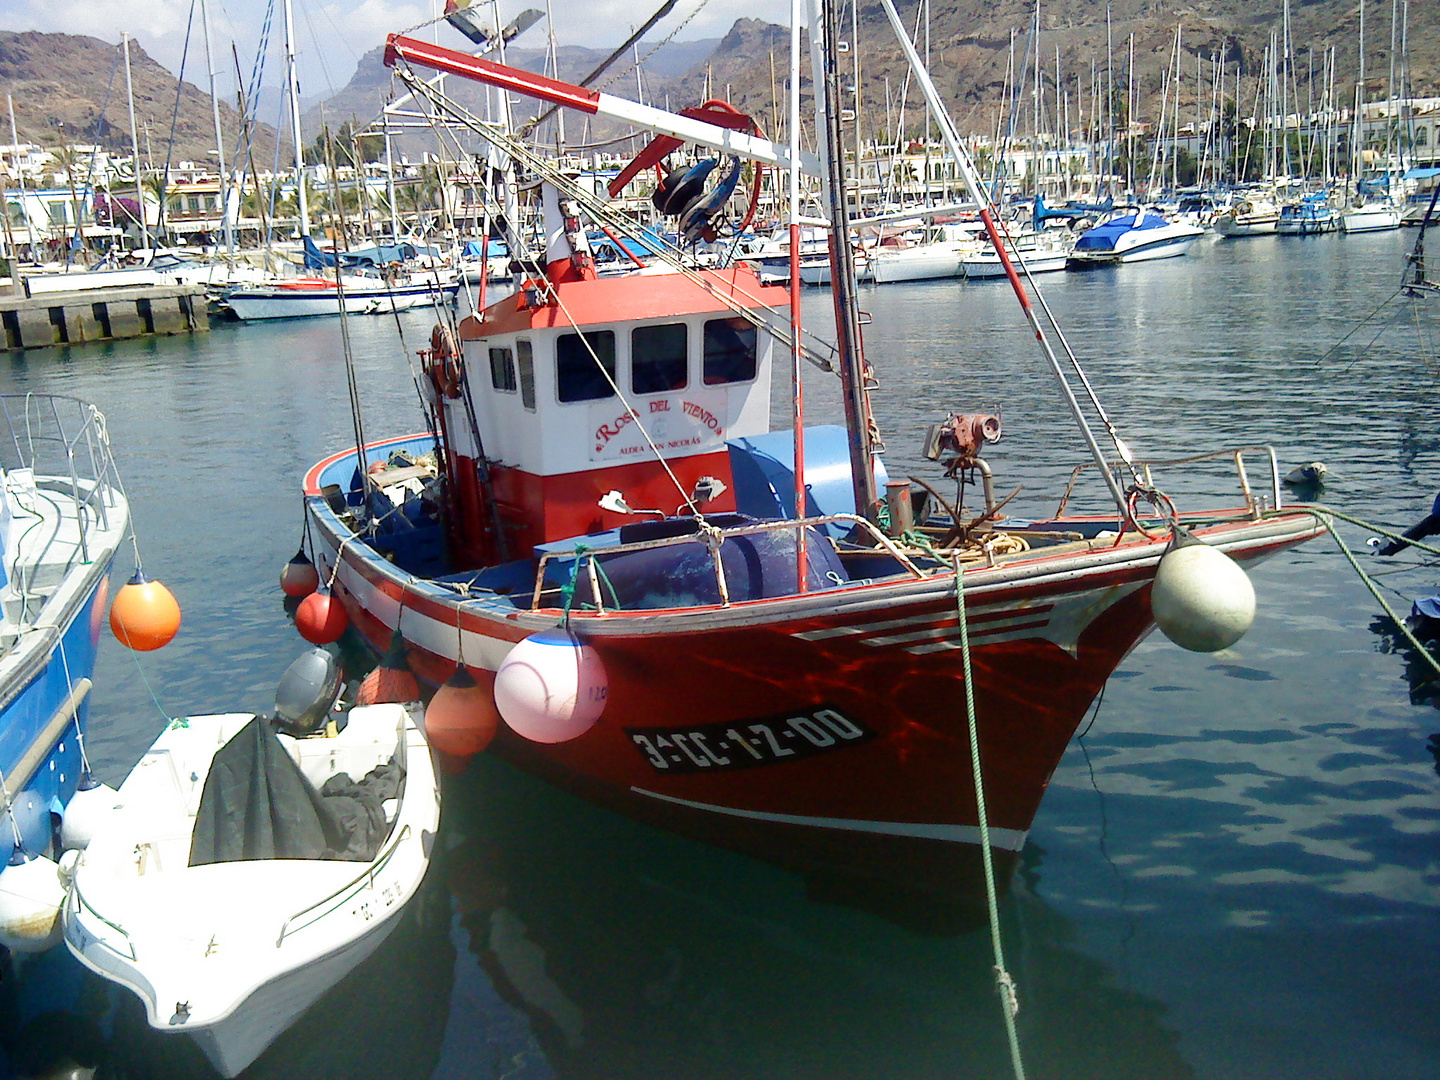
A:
[(62, 83), (69, 88), (971, 43)]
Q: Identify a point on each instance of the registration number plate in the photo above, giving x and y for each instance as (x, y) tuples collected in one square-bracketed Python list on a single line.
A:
[(745, 744)]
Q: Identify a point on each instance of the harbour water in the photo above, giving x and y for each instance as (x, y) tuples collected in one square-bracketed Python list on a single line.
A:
[(1234, 873)]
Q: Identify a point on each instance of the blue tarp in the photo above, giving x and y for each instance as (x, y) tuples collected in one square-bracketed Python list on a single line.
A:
[(1103, 237), (1421, 174), (383, 254), (496, 249), (315, 259), (374, 255)]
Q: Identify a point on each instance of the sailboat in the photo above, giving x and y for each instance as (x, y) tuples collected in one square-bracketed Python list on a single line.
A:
[(754, 637)]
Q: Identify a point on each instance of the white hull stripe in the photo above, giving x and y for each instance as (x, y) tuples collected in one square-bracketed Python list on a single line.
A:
[(1025, 620), (1004, 839), (1061, 621), (976, 615), (432, 635)]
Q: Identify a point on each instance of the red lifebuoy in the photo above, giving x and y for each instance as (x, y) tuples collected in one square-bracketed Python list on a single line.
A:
[(446, 366)]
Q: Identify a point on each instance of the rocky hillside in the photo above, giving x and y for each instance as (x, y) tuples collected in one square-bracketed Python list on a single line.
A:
[(971, 42), (69, 88), (62, 83)]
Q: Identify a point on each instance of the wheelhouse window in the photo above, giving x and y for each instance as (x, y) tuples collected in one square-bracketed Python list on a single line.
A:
[(729, 351), (525, 361), (577, 376), (658, 360), (502, 370)]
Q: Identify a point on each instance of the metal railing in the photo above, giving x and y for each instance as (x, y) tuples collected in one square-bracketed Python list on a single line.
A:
[(1254, 504), (711, 536), (63, 438), (340, 895), (77, 898)]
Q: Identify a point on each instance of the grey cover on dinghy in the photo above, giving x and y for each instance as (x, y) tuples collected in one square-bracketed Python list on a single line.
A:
[(257, 804)]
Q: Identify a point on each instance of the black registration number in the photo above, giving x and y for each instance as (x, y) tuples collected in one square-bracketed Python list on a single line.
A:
[(747, 743)]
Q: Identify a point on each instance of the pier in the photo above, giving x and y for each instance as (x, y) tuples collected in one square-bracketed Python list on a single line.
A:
[(32, 322)]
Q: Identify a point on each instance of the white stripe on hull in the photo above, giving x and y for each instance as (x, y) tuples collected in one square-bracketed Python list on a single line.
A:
[(1005, 839)]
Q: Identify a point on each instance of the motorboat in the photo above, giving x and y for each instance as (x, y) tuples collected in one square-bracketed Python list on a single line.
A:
[(376, 280), (1312, 215), (359, 295), (1251, 215), (249, 863), (63, 514), (1133, 236), (1375, 216), (1036, 253)]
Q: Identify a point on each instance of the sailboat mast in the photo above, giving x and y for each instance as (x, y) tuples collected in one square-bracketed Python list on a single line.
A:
[(974, 187), (135, 142), (226, 226), (294, 83), (797, 388), (842, 268)]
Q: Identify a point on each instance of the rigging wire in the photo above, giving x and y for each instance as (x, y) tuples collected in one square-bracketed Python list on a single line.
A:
[(599, 211), (174, 123)]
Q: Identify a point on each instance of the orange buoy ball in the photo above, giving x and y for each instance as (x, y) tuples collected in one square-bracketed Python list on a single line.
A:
[(461, 718), (551, 687), (299, 577), (321, 618), (145, 615), (392, 680)]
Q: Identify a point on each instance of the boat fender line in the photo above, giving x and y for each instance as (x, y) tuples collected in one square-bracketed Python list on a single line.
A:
[(1326, 516), (1004, 982), (446, 366)]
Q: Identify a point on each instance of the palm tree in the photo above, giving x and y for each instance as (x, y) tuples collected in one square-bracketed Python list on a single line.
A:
[(70, 162)]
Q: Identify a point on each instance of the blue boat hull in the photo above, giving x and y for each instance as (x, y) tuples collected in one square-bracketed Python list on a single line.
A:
[(41, 713)]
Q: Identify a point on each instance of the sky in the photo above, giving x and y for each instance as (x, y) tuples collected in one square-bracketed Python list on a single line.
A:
[(333, 34)]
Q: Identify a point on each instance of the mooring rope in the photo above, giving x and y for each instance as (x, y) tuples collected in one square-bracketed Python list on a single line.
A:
[(1327, 517), (1004, 983)]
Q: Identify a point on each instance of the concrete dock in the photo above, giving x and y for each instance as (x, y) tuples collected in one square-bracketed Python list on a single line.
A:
[(32, 322)]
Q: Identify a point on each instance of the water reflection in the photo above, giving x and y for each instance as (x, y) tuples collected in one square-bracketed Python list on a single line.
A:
[(637, 954), (385, 1022)]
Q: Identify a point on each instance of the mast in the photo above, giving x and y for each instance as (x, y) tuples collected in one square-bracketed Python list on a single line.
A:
[(135, 141), (20, 175), (226, 226), (797, 389), (294, 84), (842, 266), (1357, 141), (973, 185)]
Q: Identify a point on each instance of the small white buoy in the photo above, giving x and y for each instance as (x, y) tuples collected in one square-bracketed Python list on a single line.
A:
[(1202, 600), (86, 810), (551, 688), (31, 894)]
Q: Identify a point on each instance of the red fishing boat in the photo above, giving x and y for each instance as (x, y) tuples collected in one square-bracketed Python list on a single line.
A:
[(600, 483)]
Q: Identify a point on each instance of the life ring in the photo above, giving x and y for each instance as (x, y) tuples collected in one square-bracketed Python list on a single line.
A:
[(447, 369)]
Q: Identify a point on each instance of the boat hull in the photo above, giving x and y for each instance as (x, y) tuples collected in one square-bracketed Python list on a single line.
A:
[(825, 732), (919, 264), (1363, 221), (1164, 247), (63, 535), (258, 304), (989, 266), (1307, 226), (1246, 227), (232, 953)]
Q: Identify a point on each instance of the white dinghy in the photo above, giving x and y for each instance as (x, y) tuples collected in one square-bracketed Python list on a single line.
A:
[(243, 872)]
